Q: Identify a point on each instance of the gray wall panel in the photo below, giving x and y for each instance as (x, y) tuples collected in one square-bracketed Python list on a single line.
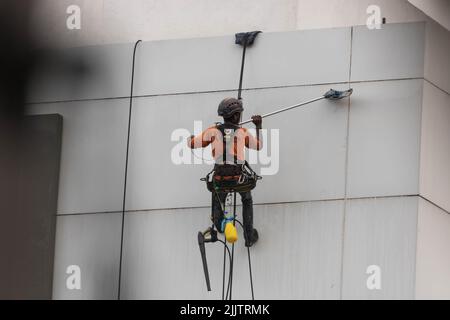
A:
[(91, 242), (298, 255), (384, 138), (395, 51), (380, 232), (299, 57), (275, 59), (188, 65), (93, 154), (433, 256)]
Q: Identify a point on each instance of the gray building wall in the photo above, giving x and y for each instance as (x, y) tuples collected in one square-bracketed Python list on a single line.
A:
[(361, 182)]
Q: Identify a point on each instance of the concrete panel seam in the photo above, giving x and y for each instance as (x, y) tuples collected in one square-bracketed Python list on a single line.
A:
[(75, 100), (85, 213), (346, 171), (419, 177), (230, 90), (415, 251), (239, 205), (436, 86), (434, 204)]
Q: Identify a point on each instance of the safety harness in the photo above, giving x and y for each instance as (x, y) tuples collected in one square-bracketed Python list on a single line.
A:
[(230, 176)]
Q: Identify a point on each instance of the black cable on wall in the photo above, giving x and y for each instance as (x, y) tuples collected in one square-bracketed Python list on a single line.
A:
[(126, 167)]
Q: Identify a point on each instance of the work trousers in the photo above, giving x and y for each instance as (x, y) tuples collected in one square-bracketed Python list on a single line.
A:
[(247, 210)]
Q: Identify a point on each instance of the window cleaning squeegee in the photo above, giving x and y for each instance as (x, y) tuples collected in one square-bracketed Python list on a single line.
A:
[(330, 95)]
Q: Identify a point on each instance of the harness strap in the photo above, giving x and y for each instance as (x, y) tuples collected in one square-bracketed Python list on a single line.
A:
[(235, 145), (224, 148), (222, 128)]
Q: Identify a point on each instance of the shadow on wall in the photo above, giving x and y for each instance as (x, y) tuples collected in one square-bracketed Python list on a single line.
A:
[(29, 158)]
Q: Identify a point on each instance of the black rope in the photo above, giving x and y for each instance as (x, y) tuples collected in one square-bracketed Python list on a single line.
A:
[(126, 168), (228, 294), (250, 271), (249, 261), (242, 69), (222, 207), (232, 247), (226, 249), (223, 276)]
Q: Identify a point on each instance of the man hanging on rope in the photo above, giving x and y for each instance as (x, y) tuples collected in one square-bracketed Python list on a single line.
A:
[(228, 141)]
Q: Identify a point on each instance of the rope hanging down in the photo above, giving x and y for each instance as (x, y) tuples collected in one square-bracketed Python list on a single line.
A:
[(130, 109)]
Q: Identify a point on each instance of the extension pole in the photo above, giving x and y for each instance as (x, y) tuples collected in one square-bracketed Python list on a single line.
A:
[(242, 71), (285, 109), (330, 95)]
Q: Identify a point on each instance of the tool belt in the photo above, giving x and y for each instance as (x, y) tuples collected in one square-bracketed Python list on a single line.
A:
[(231, 178)]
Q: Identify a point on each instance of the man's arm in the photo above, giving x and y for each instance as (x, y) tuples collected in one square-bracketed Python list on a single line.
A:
[(252, 142), (200, 141)]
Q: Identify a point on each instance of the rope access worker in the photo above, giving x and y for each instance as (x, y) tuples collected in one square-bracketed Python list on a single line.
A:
[(228, 142)]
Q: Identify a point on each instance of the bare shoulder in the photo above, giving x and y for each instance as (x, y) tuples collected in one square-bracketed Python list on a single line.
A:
[(212, 128)]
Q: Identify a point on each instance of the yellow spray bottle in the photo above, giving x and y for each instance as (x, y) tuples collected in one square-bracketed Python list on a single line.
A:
[(230, 230)]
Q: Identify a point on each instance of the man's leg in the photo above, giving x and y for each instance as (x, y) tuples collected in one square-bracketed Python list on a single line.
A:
[(251, 235), (216, 210)]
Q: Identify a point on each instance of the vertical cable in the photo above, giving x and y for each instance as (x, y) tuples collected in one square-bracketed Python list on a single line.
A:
[(224, 254), (250, 271), (225, 249), (232, 247), (223, 276), (126, 168), (242, 70)]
